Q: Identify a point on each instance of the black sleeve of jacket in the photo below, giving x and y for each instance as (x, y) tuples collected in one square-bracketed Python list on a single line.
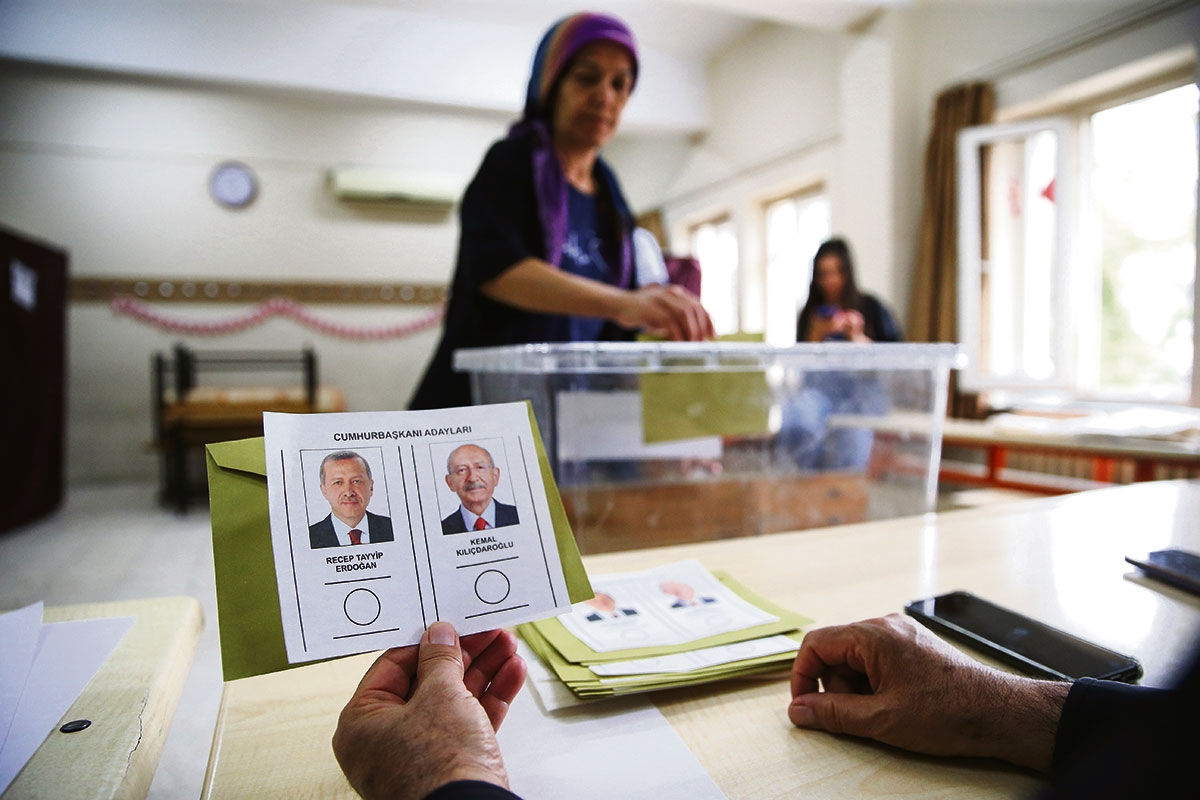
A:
[(471, 790), (1117, 740)]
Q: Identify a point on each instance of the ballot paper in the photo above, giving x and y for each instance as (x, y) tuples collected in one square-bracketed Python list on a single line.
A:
[(698, 659), (672, 604), (681, 650), (383, 479)]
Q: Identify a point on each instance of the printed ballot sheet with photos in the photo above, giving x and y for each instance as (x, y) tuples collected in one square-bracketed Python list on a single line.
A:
[(670, 605), (387, 477)]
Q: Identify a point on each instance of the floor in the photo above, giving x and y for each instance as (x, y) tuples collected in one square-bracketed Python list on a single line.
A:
[(115, 543), (119, 544)]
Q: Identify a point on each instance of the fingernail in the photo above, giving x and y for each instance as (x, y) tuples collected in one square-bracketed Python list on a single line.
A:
[(441, 633), (801, 716)]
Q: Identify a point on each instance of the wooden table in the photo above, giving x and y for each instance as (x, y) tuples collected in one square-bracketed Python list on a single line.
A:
[(130, 701), (1060, 559)]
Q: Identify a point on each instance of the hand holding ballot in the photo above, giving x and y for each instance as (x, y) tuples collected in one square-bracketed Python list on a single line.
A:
[(425, 716)]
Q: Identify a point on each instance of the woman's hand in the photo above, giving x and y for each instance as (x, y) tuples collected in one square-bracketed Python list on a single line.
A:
[(853, 325), (666, 310)]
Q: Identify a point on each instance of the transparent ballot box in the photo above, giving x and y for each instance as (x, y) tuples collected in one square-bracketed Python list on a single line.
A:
[(661, 443)]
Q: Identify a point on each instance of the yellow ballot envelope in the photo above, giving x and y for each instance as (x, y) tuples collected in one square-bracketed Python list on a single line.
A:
[(248, 612), (689, 400)]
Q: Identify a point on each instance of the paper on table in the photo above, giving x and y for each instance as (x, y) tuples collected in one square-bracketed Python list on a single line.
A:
[(585, 684), (68, 655), (19, 630), (622, 748), (421, 563), (550, 692), (573, 650), (699, 659), (667, 605)]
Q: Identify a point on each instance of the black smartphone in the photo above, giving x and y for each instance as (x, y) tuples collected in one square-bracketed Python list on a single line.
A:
[(1019, 641), (1174, 566)]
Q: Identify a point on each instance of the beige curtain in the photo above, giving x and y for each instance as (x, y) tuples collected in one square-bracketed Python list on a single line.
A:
[(932, 315)]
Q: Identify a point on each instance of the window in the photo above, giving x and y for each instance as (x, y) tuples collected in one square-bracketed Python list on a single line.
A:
[(1077, 250), (796, 226), (715, 246)]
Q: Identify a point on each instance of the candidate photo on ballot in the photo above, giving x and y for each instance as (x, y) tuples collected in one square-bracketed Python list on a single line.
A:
[(472, 474), (347, 485)]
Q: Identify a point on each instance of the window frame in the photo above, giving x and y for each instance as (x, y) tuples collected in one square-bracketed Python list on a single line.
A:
[(1073, 266), (807, 192), (970, 250), (717, 220)]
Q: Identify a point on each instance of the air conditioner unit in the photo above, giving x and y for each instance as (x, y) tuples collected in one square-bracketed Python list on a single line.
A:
[(382, 184)]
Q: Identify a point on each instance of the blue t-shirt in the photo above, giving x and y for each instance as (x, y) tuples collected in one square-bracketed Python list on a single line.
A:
[(582, 255)]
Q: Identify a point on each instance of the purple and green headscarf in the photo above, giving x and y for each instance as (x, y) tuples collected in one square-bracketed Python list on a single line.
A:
[(560, 44)]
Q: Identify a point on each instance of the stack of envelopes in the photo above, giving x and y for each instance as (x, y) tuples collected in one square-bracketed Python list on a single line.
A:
[(674, 625)]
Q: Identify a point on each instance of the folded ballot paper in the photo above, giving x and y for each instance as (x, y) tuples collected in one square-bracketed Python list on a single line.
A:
[(297, 583), (673, 625)]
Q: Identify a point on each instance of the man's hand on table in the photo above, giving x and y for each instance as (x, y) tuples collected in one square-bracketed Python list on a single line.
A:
[(892, 680)]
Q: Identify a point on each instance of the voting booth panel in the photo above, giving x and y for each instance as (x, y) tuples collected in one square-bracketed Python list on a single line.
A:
[(661, 443)]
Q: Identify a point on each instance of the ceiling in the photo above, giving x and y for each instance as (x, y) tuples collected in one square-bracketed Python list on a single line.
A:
[(707, 25), (468, 55)]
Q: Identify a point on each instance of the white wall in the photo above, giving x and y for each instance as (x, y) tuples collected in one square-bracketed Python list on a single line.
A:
[(115, 171), (776, 131)]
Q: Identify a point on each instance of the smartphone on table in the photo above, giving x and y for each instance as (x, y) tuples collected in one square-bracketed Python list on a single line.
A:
[(1174, 566), (1020, 641)]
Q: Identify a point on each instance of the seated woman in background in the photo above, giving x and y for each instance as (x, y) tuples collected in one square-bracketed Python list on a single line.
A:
[(836, 310), (546, 252)]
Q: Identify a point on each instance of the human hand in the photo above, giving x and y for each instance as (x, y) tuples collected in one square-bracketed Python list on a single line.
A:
[(822, 327), (853, 326), (666, 310), (425, 715), (892, 680)]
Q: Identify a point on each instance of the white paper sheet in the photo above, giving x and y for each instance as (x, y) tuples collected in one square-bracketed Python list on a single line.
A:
[(68, 656), (337, 598), (667, 605), (19, 631), (608, 425), (699, 659), (620, 747)]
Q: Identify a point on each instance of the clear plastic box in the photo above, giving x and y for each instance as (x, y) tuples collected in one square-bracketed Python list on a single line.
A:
[(661, 443)]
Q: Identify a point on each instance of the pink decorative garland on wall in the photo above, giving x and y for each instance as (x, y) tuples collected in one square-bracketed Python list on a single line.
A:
[(260, 313)]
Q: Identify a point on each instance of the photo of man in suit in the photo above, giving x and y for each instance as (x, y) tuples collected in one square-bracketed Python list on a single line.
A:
[(685, 596), (605, 607), (472, 474), (347, 484)]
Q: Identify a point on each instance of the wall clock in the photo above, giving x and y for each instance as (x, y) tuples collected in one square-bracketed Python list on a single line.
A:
[(233, 184)]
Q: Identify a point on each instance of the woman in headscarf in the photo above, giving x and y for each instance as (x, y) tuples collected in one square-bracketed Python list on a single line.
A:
[(545, 250)]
